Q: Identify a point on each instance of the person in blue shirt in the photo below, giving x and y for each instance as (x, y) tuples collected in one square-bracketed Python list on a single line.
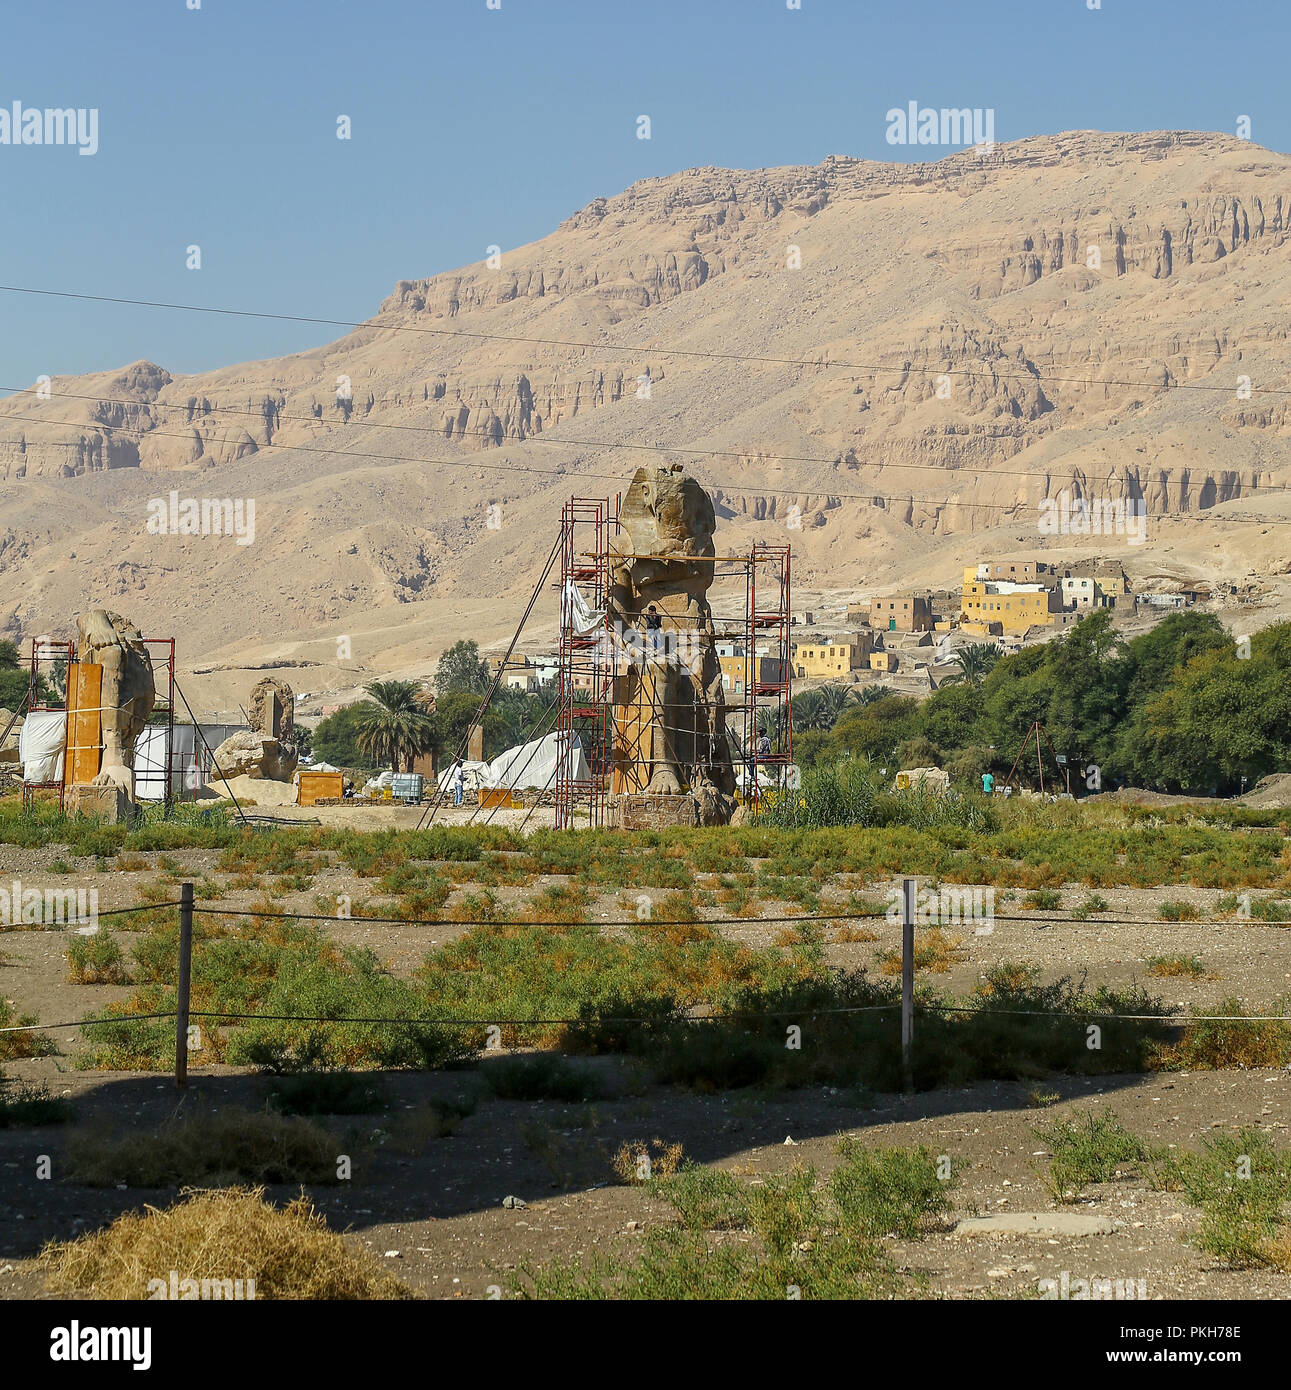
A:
[(988, 784)]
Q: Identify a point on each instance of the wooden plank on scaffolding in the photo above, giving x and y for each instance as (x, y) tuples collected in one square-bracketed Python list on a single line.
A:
[(84, 752)]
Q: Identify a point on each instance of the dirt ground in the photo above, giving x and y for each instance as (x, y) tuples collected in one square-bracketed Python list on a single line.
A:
[(433, 1208), (438, 1202)]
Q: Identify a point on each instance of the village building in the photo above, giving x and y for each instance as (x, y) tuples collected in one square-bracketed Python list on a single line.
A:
[(839, 657), (902, 613)]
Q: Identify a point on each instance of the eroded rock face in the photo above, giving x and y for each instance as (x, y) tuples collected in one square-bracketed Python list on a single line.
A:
[(670, 727), (128, 691)]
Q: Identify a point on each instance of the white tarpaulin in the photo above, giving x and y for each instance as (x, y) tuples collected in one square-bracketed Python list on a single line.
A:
[(189, 761), (534, 764), (474, 776), (40, 747), (585, 619)]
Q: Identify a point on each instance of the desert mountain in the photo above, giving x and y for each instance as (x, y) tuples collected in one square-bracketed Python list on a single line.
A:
[(964, 338)]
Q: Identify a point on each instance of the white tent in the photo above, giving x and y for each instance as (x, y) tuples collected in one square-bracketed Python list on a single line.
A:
[(190, 763), (534, 764)]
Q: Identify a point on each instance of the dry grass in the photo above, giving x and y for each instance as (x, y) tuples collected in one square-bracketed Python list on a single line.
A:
[(934, 951), (844, 936), (637, 1161), (228, 1146), (219, 1235), (1179, 967)]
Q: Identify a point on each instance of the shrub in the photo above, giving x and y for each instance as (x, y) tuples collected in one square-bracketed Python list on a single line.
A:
[(879, 1192), (26, 1105), (639, 1161), (96, 960), (823, 1240), (1235, 1036), (1169, 967), (540, 1077), (1087, 1150), (1240, 1183), (219, 1148), (327, 1093), (1178, 912), (16, 1045)]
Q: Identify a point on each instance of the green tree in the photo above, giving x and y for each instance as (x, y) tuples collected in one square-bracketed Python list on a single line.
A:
[(874, 731), (966, 765), (393, 725), (455, 713), (335, 739), (952, 714), (918, 752), (809, 713), (1015, 695), (460, 669), (1220, 719), (1155, 655)]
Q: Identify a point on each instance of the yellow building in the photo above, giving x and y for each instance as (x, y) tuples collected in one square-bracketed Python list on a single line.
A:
[(1015, 607), (838, 658), (883, 661), (735, 670)]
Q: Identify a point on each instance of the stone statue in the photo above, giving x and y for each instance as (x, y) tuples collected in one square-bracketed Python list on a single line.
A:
[(273, 709), (267, 750), (127, 692), (669, 711)]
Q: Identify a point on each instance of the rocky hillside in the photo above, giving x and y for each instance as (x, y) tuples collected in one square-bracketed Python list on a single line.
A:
[(962, 339)]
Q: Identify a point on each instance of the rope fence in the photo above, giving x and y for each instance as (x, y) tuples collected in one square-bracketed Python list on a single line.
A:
[(907, 1005)]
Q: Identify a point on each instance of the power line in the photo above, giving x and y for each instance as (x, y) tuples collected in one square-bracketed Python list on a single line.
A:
[(635, 350), (519, 439), (506, 466)]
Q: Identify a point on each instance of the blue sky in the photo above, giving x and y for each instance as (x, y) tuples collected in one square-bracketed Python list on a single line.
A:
[(471, 126)]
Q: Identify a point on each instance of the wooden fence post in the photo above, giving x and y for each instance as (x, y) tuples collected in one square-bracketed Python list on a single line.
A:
[(184, 975), (908, 887)]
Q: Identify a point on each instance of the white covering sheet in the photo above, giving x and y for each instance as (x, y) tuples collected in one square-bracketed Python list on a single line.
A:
[(40, 747)]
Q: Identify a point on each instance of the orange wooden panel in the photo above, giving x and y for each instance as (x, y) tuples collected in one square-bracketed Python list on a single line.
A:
[(314, 786), (84, 755)]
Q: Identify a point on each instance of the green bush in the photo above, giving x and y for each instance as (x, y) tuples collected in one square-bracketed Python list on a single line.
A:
[(1087, 1150), (96, 960)]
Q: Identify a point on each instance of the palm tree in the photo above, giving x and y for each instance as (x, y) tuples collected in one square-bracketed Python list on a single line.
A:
[(868, 694), (834, 699), (393, 726), (974, 662), (809, 712)]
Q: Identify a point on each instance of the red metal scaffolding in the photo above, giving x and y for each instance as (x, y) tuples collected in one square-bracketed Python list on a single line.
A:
[(588, 660)]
